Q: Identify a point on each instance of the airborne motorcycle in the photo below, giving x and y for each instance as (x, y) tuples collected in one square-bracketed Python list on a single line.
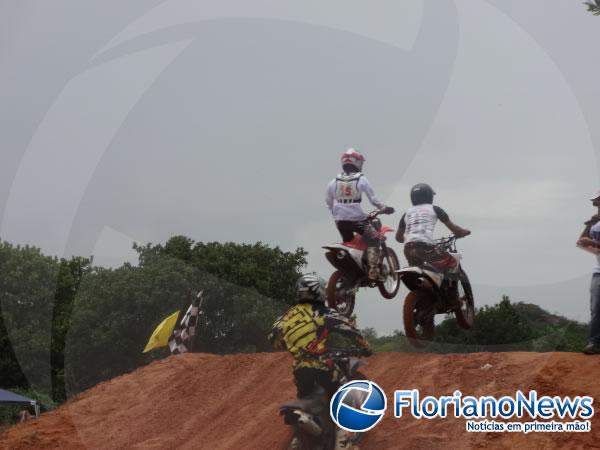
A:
[(314, 429), (349, 258), (435, 290)]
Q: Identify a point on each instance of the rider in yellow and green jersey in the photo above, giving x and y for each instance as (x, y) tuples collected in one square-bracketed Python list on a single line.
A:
[(305, 329)]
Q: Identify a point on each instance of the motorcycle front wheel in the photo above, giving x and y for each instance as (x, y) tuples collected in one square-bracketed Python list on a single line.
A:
[(465, 313), (418, 318), (301, 441), (389, 287), (341, 293)]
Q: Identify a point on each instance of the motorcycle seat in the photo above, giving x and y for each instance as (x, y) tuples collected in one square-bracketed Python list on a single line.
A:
[(429, 266), (442, 265), (357, 243)]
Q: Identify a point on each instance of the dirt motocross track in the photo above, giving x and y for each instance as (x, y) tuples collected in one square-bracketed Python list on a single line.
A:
[(200, 401)]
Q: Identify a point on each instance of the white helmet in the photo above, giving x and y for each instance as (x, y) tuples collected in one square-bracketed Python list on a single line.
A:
[(352, 158), (310, 288)]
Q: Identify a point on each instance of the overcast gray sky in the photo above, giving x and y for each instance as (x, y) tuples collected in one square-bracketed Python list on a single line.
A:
[(224, 120)]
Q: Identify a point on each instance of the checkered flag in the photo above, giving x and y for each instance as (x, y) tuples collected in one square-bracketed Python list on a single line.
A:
[(182, 339)]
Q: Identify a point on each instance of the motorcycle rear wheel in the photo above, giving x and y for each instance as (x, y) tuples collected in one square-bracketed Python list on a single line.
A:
[(418, 318), (465, 313), (389, 288), (340, 293)]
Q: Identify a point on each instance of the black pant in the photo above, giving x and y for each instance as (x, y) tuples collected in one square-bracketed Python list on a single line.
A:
[(307, 380), (347, 228)]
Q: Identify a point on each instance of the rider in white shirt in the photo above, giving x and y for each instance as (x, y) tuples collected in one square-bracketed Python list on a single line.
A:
[(343, 197), (416, 228)]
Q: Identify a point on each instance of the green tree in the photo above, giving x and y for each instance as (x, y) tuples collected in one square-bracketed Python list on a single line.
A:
[(271, 271), (496, 327), (505, 326), (67, 325), (396, 342), (70, 274), (27, 288), (36, 295), (593, 7), (115, 310), (10, 371)]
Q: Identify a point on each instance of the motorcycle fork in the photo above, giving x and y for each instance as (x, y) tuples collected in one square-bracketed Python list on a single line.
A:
[(382, 249), (365, 265)]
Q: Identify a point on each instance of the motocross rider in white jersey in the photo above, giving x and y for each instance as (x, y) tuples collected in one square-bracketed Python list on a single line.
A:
[(343, 197), (416, 229)]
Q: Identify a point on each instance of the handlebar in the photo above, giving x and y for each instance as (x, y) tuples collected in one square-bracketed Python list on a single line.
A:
[(446, 239), (385, 210), (448, 242)]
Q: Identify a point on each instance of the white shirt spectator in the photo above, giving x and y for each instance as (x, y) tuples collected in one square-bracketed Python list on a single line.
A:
[(595, 234)]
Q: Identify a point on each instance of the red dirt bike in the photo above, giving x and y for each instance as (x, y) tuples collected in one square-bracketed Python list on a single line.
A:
[(349, 258), (436, 288)]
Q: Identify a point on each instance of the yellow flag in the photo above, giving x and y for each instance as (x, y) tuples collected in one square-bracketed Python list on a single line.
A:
[(162, 333)]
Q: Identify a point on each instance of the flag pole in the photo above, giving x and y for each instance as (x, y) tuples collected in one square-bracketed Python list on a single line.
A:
[(199, 300)]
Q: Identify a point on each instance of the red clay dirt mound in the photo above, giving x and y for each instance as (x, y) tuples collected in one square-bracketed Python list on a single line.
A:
[(200, 401)]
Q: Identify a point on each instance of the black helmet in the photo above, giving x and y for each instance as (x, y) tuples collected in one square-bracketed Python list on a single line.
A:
[(310, 288), (421, 193)]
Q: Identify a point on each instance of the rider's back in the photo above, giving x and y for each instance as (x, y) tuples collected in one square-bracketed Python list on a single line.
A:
[(299, 328), (305, 330), (344, 196), (420, 221)]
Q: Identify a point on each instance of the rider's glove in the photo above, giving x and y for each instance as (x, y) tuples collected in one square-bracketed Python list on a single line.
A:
[(387, 210)]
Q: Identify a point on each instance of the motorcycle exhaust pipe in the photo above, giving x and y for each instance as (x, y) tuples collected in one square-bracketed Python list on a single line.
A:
[(423, 283), (307, 424)]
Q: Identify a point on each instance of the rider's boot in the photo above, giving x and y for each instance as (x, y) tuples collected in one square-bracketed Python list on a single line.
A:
[(342, 439), (373, 264), (295, 444), (307, 423)]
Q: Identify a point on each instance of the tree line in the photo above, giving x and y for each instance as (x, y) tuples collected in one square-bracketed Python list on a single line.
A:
[(505, 326), (67, 324)]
